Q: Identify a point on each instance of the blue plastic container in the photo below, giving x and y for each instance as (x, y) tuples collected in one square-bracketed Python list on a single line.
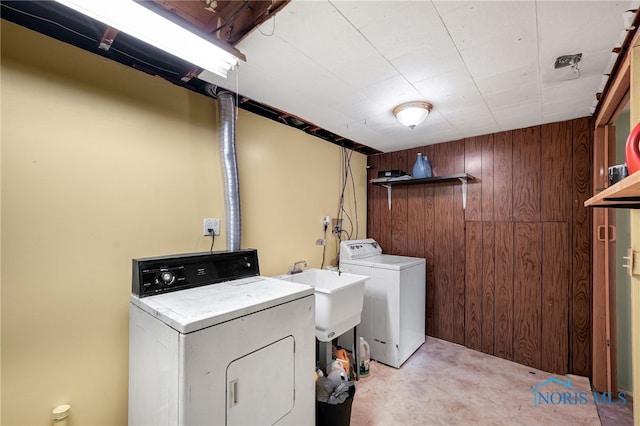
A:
[(422, 167)]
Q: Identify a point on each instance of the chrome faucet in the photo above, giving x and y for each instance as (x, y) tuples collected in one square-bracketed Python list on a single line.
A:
[(296, 268)]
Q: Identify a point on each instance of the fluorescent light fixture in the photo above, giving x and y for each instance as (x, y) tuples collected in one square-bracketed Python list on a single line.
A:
[(411, 114), (139, 22)]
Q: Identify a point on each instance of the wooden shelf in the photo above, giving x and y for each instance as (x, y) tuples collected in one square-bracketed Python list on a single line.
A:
[(623, 195), (460, 177)]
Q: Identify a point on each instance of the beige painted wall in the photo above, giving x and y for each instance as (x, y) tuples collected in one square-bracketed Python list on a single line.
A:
[(100, 164), (623, 281)]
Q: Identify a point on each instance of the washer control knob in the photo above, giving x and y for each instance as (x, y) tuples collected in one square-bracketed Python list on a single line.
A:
[(167, 277)]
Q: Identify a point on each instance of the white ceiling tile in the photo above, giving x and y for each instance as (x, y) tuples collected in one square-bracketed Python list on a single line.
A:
[(391, 92), (513, 96), (485, 66), (562, 24), (477, 28), (525, 75), (518, 116), (397, 28), (423, 64), (445, 90)]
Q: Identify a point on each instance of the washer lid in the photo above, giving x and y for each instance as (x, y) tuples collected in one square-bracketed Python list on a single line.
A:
[(386, 261), (193, 309)]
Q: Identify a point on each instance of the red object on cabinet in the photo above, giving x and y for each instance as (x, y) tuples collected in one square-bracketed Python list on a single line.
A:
[(632, 150)]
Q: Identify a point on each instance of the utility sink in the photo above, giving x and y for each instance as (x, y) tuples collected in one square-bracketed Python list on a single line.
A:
[(339, 298)]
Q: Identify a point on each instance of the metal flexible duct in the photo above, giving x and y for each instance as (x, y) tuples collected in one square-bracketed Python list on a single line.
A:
[(230, 167)]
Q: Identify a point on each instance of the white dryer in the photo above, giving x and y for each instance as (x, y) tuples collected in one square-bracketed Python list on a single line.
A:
[(393, 313), (213, 343)]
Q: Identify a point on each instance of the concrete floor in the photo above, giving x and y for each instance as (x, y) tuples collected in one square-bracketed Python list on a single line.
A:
[(448, 384)]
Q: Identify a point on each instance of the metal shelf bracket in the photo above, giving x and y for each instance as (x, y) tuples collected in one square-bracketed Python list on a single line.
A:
[(388, 194), (463, 181)]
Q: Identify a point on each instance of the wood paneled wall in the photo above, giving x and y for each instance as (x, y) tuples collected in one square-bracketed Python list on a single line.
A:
[(510, 275)]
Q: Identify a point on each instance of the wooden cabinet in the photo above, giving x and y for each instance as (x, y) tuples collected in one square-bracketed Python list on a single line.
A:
[(624, 194), (625, 88)]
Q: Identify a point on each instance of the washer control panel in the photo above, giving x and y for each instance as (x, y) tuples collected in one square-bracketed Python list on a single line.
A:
[(163, 274), (358, 249)]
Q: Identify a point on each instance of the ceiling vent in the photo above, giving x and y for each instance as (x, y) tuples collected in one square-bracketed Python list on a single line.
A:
[(566, 60)]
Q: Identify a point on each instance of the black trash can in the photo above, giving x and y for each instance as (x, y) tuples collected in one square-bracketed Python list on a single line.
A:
[(335, 415)]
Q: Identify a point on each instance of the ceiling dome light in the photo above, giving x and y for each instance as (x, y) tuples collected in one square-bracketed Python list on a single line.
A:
[(411, 114)]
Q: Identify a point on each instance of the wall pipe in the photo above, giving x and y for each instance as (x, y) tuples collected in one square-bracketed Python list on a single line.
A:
[(229, 159)]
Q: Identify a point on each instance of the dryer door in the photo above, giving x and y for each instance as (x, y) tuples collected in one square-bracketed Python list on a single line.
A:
[(260, 385)]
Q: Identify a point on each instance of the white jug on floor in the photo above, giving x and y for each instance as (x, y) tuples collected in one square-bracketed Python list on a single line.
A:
[(363, 357)]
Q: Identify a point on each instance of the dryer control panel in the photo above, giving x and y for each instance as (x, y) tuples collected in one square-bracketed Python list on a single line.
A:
[(163, 274), (358, 249)]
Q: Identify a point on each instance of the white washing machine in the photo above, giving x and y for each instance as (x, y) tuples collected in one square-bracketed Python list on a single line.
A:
[(393, 313), (214, 343)]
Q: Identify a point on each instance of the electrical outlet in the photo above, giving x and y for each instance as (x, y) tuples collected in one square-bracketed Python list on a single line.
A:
[(210, 223), (325, 222), (336, 227), (633, 262)]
